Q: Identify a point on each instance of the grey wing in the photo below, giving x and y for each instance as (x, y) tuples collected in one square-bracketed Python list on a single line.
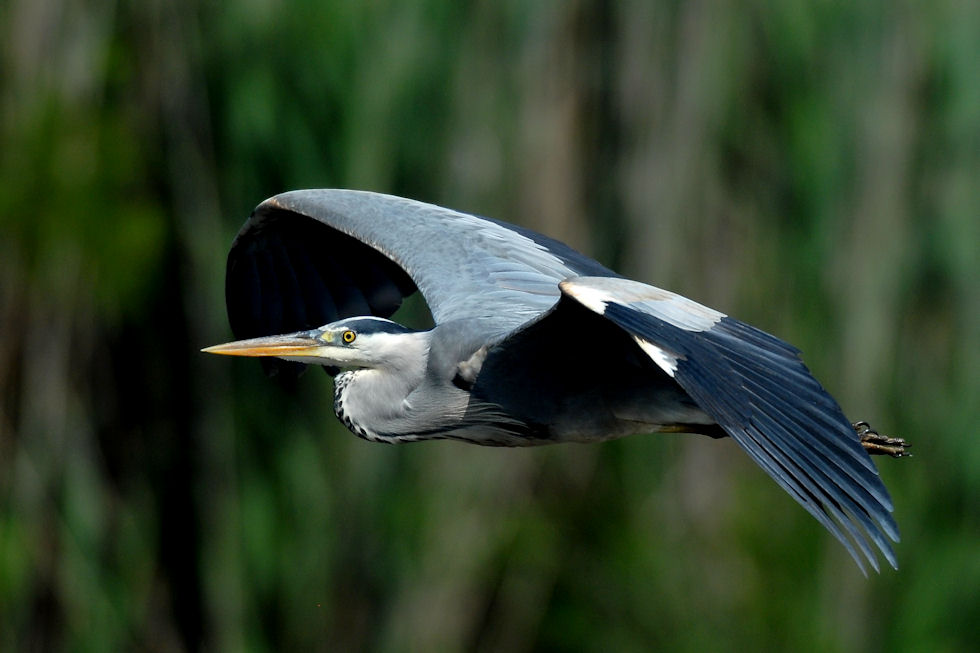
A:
[(310, 257), (759, 391)]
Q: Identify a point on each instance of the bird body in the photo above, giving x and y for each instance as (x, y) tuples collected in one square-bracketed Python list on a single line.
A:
[(533, 343)]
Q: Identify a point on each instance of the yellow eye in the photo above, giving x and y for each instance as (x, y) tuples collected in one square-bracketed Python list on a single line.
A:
[(349, 336)]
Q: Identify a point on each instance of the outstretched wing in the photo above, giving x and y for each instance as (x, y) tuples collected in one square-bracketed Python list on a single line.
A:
[(759, 391), (310, 257)]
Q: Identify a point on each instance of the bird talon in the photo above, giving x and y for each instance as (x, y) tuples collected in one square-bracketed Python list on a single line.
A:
[(876, 444)]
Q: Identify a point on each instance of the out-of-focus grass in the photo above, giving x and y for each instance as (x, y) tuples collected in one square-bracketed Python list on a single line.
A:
[(810, 168)]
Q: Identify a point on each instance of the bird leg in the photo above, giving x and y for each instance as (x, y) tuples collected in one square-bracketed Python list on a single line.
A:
[(875, 443)]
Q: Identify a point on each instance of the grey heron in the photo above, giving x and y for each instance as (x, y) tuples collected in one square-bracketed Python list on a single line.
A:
[(534, 343)]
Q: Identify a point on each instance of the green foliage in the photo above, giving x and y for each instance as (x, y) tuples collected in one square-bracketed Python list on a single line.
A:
[(809, 167)]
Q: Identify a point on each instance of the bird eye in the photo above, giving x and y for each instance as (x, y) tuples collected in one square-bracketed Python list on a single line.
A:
[(349, 336)]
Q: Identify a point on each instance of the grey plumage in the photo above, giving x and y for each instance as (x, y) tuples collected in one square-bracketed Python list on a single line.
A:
[(533, 343)]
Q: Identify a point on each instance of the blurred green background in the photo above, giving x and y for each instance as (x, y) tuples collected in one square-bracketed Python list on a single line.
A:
[(810, 167)]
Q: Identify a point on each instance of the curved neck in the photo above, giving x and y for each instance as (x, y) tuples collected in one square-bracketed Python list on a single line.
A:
[(375, 402), (409, 397)]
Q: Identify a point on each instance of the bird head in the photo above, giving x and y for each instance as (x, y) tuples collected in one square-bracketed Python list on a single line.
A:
[(357, 342)]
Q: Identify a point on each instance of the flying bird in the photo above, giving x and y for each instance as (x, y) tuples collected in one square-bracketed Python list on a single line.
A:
[(534, 343)]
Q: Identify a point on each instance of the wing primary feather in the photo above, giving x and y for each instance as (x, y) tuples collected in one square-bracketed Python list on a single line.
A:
[(811, 389), (294, 308), (380, 292), (731, 418), (812, 504), (345, 292), (320, 308), (790, 369), (744, 332), (826, 506), (830, 415), (755, 387), (854, 498), (817, 441), (272, 300), (759, 444)]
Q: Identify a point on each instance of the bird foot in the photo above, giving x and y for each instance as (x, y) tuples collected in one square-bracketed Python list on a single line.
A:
[(876, 444)]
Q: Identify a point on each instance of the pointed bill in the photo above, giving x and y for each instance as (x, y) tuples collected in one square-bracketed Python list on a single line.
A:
[(299, 344)]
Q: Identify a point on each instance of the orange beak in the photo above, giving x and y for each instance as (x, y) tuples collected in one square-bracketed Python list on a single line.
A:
[(300, 344)]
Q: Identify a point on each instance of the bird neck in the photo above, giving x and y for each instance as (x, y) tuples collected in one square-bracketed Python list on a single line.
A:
[(374, 402)]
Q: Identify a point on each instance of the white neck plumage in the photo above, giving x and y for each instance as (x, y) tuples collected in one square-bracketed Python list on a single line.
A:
[(374, 402)]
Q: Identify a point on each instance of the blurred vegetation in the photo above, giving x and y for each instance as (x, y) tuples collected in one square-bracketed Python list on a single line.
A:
[(811, 167)]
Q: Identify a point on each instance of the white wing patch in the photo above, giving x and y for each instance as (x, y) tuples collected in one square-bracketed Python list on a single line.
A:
[(592, 298), (665, 360), (596, 293)]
